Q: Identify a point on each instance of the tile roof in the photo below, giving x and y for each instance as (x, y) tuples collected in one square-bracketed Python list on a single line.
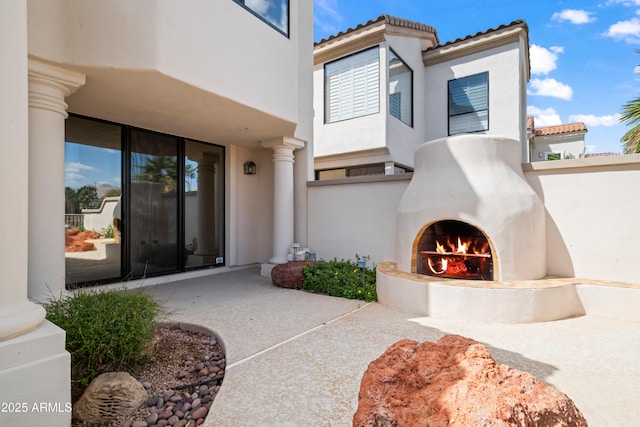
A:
[(388, 19), (481, 33), (560, 129), (601, 154)]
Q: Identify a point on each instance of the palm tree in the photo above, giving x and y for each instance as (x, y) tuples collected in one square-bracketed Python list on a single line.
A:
[(630, 116), (162, 169)]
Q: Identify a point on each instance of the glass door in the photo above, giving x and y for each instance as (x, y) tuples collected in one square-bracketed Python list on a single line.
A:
[(93, 193), (203, 204), (154, 204)]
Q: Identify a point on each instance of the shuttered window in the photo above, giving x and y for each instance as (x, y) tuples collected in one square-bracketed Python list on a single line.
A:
[(469, 104), (352, 86)]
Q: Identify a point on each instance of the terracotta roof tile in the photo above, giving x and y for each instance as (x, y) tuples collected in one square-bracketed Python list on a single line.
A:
[(560, 129), (481, 33), (601, 154), (392, 20)]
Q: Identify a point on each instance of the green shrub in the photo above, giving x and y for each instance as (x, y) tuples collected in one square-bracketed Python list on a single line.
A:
[(106, 331), (341, 279)]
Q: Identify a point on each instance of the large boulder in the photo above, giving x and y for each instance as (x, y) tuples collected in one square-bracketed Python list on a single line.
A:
[(289, 275), (109, 396), (456, 382)]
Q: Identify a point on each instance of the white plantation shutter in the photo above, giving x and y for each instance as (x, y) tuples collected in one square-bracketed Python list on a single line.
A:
[(352, 86), (469, 104)]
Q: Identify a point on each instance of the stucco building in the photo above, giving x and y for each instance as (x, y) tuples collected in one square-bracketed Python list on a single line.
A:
[(167, 110), (383, 88)]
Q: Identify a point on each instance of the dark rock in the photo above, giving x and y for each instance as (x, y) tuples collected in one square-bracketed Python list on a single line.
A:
[(289, 275), (153, 401), (152, 419), (199, 413)]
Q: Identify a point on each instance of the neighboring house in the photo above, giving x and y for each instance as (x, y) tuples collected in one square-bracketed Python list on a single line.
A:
[(168, 109), (385, 87), (556, 142)]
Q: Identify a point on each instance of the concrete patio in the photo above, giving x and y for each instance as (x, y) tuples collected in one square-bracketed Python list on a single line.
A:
[(296, 358)]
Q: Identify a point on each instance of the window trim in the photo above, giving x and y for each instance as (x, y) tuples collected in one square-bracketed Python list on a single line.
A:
[(394, 53), (326, 86), (286, 33), (449, 115)]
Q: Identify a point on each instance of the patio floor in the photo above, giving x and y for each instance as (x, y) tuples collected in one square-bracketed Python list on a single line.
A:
[(296, 358)]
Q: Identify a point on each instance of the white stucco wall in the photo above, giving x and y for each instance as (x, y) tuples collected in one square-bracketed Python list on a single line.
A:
[(357, 134), (592, 211), (403, 139), (573, 145), (505, 86), (355, 216), (163, 35), (591, 214)]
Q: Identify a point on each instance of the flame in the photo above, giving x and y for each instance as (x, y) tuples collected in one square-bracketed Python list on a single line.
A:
[(453, 265)]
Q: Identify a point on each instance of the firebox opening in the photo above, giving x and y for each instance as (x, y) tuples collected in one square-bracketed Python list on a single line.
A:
[(456, 250)]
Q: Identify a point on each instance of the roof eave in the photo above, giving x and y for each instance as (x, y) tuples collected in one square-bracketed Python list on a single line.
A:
[(514, 32)]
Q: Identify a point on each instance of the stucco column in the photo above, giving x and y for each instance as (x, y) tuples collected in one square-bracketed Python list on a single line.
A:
[(17, 314), (48, 87), (34, 366), (283, 200), (206, 205)]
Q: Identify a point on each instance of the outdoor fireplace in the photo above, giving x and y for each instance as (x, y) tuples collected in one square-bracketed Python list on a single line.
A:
[(471, 188), (456, 250)]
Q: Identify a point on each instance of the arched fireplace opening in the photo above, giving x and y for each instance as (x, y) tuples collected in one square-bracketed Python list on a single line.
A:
[(454, 249)]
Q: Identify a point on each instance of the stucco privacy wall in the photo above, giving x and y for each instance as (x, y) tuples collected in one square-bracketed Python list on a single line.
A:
[(355, 215), (591, 216)]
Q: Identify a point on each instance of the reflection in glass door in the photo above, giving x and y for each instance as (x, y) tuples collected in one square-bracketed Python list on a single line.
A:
[(153, 213), (93, 189), (139, 203), (203, 204)]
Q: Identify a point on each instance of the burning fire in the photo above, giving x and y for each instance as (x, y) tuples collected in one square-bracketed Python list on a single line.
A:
[(452, 259)]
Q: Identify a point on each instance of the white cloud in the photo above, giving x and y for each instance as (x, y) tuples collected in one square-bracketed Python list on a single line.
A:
[(546, 117), (628, 31), (260, 6), (588, 149), (550, 87), (574, 16), (624, 2), (592, 120), (544, 60), (74, 167)]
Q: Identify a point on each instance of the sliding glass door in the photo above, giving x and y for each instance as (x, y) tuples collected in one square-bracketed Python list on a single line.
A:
[(153, 201), (139, 203), (93, 191)]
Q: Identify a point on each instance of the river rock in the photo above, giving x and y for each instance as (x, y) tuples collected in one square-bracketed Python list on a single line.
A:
[(110, 395)]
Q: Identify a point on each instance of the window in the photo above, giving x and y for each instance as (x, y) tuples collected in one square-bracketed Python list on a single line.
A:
[(273, 12), (139, 203), (469, 104), (400, 89), (352, 86), (554, 155)]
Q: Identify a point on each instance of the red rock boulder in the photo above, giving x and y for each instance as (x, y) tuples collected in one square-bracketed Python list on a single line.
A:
[(289, 275), (456, 382)]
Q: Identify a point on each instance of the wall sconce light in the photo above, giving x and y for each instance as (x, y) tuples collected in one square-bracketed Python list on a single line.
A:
[(249, 168)]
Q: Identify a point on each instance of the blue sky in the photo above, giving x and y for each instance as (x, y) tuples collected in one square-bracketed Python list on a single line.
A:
[(582, 53)]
